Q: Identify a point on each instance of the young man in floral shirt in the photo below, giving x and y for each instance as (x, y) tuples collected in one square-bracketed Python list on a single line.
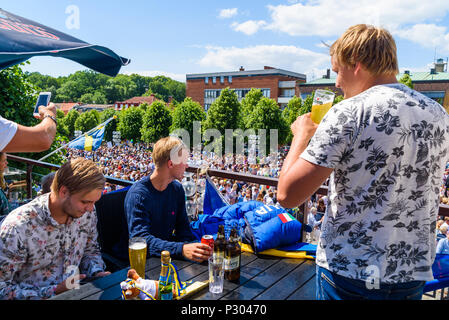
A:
[(384, 147), (51, 242)]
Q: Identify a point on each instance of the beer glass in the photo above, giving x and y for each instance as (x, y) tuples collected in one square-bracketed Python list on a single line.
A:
[(216, 274), (138, 255), (322, 102)]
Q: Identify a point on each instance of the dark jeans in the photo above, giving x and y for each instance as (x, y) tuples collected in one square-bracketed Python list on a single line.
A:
[(330, 286)]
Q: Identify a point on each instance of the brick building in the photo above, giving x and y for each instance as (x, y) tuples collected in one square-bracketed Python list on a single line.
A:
[(280, 85), (434, 83)]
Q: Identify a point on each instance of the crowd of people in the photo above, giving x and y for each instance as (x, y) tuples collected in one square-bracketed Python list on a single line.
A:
[(133, 161)]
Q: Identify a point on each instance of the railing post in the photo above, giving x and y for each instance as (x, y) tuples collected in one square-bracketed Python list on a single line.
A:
[(29, 180)]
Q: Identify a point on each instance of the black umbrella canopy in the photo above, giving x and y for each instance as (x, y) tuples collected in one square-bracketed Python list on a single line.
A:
[(21, 39)]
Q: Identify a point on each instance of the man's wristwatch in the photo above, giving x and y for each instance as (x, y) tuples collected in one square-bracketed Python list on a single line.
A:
[(52, 118)]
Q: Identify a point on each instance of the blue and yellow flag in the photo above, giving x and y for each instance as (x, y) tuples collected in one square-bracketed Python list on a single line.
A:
[(89, 142)]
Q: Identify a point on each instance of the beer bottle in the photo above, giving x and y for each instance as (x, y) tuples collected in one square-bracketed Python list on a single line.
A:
[(220, 243), (232, 257), (165, 282)]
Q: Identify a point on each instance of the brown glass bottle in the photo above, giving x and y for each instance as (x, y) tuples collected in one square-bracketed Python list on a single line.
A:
[(232, 257), (220, 243)]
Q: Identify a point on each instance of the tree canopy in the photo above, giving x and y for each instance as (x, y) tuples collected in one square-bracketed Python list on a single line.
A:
[(92, 87)]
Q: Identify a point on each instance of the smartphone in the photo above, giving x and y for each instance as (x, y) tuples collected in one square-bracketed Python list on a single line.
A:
[(42, 100)]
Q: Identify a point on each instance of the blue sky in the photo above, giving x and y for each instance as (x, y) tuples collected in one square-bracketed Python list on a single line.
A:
[(175, 38)]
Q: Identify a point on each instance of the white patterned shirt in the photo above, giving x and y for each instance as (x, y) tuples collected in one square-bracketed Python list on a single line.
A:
[(37, 253), (388, 147)]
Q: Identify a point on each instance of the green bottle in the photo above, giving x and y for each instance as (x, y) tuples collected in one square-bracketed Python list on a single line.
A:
[(165, 281)]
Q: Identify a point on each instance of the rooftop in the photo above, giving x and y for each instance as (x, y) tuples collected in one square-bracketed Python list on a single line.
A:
[(416, 77), (267, 71)]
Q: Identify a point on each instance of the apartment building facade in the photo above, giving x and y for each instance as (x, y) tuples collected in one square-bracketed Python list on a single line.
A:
[(278, 84)]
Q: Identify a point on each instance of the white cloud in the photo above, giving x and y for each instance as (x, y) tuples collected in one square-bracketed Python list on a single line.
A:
[(290, 58), (249, 27), (228, 13), (427, 35), (152, 73), (331, 17)]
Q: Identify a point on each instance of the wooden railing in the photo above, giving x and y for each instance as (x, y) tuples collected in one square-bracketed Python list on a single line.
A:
[(30, 163)]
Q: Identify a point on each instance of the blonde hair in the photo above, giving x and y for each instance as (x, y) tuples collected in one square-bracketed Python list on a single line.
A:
[(78, 175), (443, 228), (162, 149), (373, 47)]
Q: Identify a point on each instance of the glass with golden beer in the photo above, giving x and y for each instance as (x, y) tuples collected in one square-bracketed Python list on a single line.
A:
[(322, 102), (138, 255)]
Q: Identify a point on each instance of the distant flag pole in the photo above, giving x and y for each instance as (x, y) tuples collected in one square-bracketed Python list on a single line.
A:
[(101, 125)]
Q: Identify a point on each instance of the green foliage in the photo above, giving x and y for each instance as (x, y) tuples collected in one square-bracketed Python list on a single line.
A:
[(156, 122), (185, 114), (112, 125), (69, 121), (224, 113), (163, 88), (91, 87), (306, 105), (291, 113), (130, 123), (17, 96), (87, 120), (248, 104), (407, 80), (267, 115)]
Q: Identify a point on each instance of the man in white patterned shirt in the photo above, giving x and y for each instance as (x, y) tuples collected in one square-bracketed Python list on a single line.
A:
[(51, 242), (384, 148)]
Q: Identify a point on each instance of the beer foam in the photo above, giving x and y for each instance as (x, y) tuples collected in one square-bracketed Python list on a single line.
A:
[(138, 246)]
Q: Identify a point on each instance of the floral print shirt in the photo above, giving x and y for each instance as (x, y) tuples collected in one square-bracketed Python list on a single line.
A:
[(388, 147), (37, 253)]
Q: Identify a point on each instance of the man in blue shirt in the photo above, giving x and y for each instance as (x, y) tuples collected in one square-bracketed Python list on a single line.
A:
[(155, 205), (443, 244)]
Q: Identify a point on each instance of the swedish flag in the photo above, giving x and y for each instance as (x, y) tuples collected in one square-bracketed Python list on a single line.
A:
[(90, 141)]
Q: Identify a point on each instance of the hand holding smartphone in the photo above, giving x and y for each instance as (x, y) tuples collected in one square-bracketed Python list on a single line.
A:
[(42, 100)]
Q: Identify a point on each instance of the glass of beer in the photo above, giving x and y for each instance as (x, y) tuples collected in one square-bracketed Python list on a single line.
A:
[(138, 255), (322, 102)]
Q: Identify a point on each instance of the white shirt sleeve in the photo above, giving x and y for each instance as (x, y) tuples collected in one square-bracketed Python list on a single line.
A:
[(7, 131)]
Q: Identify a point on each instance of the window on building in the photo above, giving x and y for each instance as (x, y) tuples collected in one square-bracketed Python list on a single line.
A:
[(230, 79), (214, 80), (221, 79), (206, 80)]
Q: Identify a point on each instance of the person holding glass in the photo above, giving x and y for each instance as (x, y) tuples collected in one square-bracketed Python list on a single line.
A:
[(155, 206), (384, 148)]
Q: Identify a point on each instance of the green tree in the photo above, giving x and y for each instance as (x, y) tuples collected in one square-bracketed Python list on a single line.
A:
[(120, 88), (267, 115), (407, 80), (87, 120), (69, 121), (248, 104), (185, 114), (130, 123), (156, 122), (291, 113), (224, 113), (112, 125), (17, 96)]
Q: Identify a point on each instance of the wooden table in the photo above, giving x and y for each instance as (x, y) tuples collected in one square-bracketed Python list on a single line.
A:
[(261, 278)]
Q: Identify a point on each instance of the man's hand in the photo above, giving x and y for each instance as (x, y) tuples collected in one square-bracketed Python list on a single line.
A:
[(69, 283), (198, 252), (102, 274), (304, 128), (50, 110)]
